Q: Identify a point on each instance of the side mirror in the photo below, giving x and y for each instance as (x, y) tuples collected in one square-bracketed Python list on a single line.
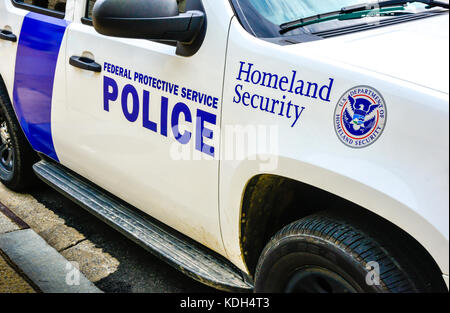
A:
[(147, 19)]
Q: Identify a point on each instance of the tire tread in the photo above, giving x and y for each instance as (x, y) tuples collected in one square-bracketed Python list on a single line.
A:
[(349, 238)]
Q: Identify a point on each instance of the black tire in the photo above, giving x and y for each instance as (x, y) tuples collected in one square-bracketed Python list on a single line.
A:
[(16, 154), (327, 253)]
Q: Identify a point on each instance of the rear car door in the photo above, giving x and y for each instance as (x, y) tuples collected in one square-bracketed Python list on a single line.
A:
[(142, 121), (31, 41)]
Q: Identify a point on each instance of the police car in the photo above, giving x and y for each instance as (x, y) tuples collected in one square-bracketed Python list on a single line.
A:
[(274, 146)]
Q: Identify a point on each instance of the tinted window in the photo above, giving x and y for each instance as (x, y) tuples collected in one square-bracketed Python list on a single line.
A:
[(89, 7), (54, 5)]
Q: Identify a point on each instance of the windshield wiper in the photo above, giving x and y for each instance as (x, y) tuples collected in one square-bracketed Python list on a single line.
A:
[(358, 11)]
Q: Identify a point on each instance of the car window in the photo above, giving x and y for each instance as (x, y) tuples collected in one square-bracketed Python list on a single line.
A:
[(54, 5), (89, 8)]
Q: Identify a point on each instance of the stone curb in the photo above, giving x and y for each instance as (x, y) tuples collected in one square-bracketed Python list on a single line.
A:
[(42, 264)]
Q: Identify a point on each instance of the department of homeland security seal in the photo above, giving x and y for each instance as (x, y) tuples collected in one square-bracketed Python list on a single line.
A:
[(360, 117)]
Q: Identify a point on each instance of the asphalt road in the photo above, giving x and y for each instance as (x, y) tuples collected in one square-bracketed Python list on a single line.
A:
[(107, 258)]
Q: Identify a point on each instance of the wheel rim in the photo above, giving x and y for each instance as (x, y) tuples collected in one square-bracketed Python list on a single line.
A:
[(317, 280), (6, 150)]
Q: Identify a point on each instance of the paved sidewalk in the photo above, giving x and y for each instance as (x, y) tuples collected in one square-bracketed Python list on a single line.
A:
[(29, 264), (11, 280)]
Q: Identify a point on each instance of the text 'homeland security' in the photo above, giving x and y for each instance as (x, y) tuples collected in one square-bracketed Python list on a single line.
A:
[(280, 107)]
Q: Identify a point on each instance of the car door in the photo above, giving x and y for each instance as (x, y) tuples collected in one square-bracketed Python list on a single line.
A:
[(31, 41), (11, 19), (133, 126)]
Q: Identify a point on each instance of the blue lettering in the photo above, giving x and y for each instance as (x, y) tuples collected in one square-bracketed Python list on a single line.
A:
[(131, 110), (146, 112), (179, 108), (133, 115), (107, 94), (242, 71), (238, 94), (164, 105), (203, 132)]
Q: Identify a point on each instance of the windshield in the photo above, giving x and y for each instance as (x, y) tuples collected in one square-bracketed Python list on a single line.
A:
[(282, 11), (263, 17)]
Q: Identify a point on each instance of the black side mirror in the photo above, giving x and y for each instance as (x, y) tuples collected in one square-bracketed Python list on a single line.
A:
[(147, 19)]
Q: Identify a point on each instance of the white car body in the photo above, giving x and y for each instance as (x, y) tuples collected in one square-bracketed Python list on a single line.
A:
[(402, 176)]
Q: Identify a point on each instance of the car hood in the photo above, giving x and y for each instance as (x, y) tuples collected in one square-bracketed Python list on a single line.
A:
[(415, 51)]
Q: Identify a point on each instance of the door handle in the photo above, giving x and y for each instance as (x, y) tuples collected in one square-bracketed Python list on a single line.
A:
[(7, 35), (85, 64)]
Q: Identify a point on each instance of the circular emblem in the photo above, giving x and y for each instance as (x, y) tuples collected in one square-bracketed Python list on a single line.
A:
[(360, 117)]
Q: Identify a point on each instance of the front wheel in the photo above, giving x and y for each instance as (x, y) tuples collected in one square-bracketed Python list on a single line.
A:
[(325, 253)]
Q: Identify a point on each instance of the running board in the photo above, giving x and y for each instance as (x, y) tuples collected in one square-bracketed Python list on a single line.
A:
[(184, 254)]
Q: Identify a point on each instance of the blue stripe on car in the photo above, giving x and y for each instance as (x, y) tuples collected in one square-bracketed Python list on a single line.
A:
[(37, 54)]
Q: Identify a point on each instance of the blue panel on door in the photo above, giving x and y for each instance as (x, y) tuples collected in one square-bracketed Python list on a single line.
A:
[(37, 54)]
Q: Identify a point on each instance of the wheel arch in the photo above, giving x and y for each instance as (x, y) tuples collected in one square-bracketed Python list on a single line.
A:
[(3, 86), (259, 221), (9, 94)]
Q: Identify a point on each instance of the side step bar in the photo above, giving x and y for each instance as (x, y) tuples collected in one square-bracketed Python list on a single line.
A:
[(184, 254)]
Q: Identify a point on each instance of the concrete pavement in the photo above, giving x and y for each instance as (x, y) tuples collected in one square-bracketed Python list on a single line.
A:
[(12, 280), (108, 259), (29, 264)]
